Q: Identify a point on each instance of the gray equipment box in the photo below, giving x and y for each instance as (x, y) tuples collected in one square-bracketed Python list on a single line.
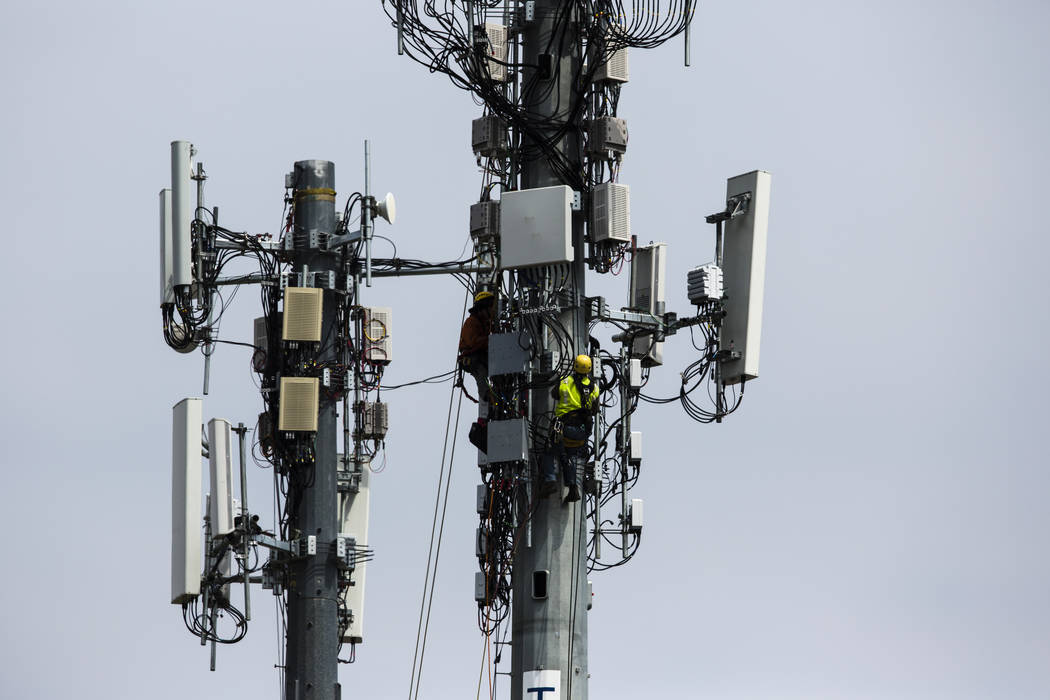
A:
[(488, 136), (606, 134), (536, 227), (509, 353), (507, 441), (484, 219), (744, 271)]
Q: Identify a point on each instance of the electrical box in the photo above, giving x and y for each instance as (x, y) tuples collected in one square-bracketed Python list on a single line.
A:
[(647, 296), (507, 441), (634, 516), (481, 545), (488, 136), (509, 353), (167, 292), (497, 51), (353, 523), (220, 462), (635, 455), (375, 420), (483, 499), (606, 134), (611, 213), (744, 268), (302, 314), (185, 501), (298, 404), (480, 589), (536, 227), (376, 328), (634, 373), (705, 284), (614, 70), (484, 219)]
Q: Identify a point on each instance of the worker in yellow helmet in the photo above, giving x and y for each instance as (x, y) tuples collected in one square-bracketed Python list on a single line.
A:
[(577, 403), (474, 345)]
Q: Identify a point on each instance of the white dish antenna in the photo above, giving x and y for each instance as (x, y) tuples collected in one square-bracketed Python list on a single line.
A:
[(387, 209)]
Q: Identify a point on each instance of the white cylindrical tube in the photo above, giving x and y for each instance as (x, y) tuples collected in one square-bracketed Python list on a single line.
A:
[(167, 294), (181, 214)]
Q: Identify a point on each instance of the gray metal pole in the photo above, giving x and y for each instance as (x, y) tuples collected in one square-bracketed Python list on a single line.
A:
[(242, 433), (551, 634), (311, 665)]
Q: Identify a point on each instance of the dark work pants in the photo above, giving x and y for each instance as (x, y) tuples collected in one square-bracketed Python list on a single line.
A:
[(571, 458)]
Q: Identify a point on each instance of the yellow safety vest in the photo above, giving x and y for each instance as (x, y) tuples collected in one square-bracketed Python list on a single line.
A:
[(569, 398)]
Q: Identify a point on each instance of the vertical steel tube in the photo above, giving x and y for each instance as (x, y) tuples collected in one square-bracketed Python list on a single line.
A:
[(366, 215), (688, 24), (313, 585), (209, 347), (550, 634), (245, 524)]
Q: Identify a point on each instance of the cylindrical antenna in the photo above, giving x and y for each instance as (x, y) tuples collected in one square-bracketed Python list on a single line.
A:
[(181, 214), (366, 215), (167, 294), (688, 23)]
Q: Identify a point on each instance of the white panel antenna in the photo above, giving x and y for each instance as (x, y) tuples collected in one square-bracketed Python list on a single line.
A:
[(221, 465), (615, 70), (744, 270), (647, 296), (186, 501), (167, 294), (611, 212), (353, 522), (182, 213)]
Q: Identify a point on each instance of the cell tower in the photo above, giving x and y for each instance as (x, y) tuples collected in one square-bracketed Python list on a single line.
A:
[(315, 348), (550, 143)]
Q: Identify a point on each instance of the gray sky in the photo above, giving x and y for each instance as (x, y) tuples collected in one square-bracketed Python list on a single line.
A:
[(871, 524)]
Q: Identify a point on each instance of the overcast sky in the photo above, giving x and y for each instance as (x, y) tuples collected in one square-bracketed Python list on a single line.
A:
[(872, 523)]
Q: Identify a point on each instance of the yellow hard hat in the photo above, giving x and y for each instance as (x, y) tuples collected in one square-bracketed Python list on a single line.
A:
[(583, 364), (482, 296)]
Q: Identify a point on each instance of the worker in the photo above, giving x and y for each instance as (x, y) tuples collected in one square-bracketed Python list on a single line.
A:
[(474, 346), (577, 403)]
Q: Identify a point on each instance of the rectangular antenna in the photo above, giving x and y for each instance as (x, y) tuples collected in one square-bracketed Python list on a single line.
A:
[(303, 308), (744, 274), (353, 522), (647, 296), (167, 294), (298, 404), (181, 213), (186, 501), (220, 462)]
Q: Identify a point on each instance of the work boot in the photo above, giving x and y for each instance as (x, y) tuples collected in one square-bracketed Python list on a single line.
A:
[(549, 488), (573, 495)]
